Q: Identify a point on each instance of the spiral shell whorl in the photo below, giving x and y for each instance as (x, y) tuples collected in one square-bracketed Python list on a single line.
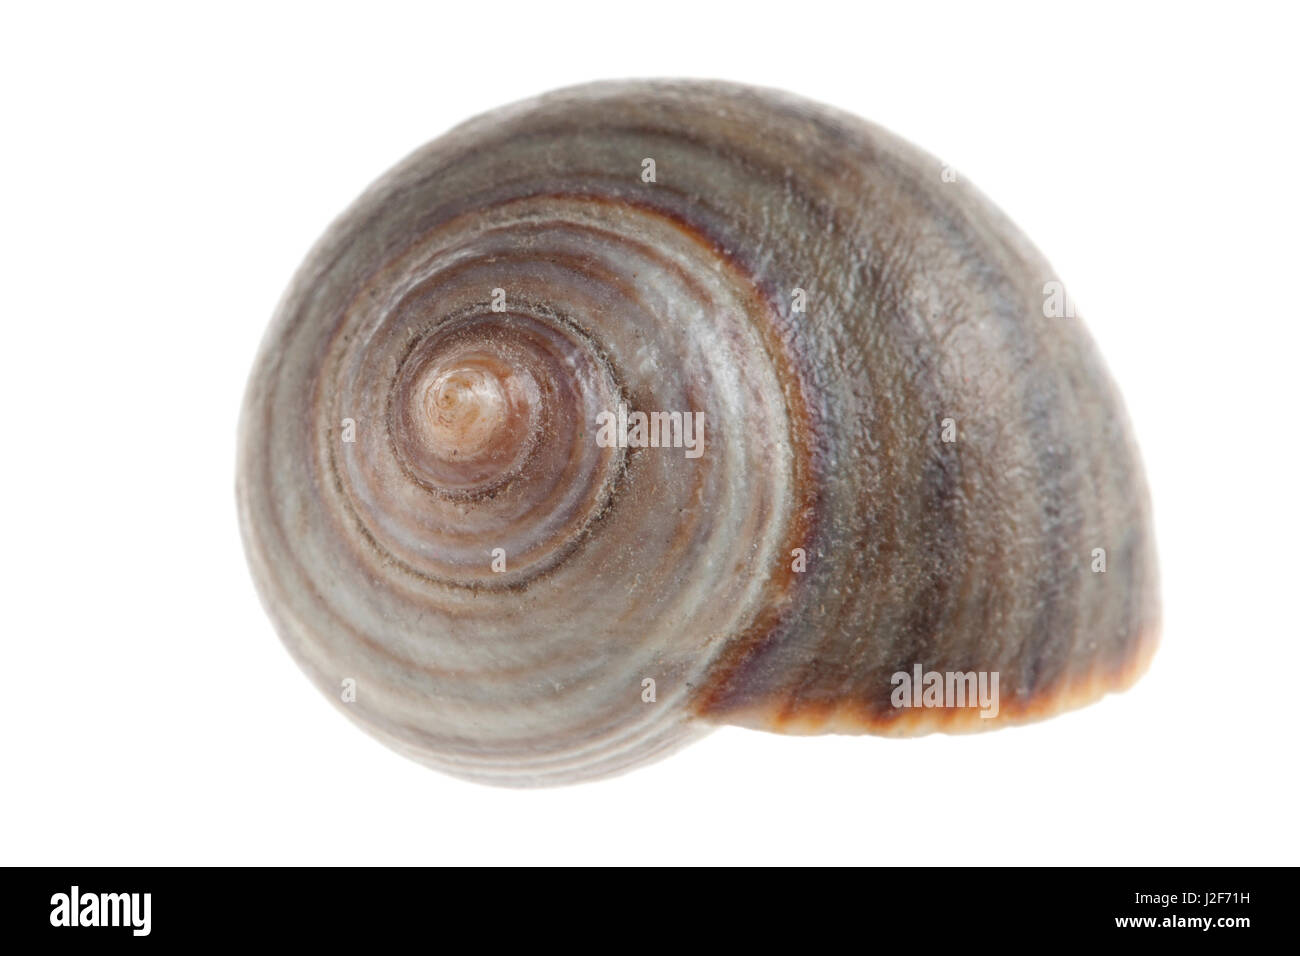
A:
[(479, 306)]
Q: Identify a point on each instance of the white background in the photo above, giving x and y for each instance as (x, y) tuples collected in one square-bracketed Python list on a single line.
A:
[(162, 173)]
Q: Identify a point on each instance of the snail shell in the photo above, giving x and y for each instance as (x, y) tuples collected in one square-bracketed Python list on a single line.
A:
[(905, 462)]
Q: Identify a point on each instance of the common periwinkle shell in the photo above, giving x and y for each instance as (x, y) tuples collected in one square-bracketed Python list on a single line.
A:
[(908, 465)]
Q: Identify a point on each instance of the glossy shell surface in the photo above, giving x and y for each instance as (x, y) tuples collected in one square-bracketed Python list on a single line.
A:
[(428, 514)]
